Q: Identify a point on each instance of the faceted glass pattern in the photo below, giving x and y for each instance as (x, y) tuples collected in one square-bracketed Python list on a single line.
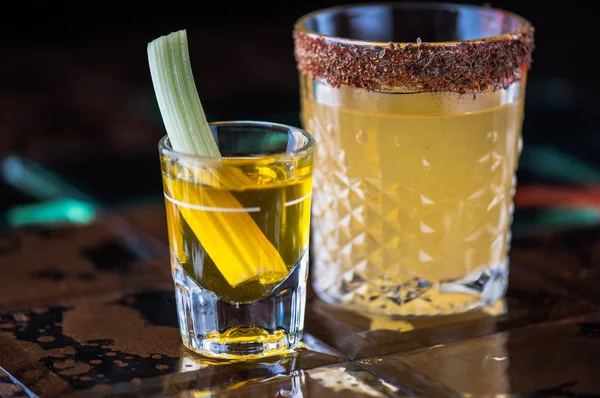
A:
[(413, 197)]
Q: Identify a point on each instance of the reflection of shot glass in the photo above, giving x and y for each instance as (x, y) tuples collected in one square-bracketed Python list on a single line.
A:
[(239, 234), (418, 109)]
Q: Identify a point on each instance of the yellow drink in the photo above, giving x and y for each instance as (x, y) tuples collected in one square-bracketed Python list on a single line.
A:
[(278, 204), (413, 196)]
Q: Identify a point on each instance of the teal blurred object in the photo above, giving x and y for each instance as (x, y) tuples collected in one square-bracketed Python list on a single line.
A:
[(535, 219), (30, 177), (548, 162), (570, 216), (59, 201), (68, 211)]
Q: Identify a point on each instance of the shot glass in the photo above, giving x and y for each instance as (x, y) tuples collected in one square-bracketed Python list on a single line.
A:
[(239, 229), (418, 111)]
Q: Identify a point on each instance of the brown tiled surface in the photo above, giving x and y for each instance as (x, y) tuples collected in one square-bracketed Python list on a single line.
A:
[(125, 343), (558, 359), (150, 218), (113, 332), (41, 265), (569, 257)]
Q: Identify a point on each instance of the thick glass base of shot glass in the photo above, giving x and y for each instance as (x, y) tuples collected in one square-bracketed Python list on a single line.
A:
[(220, 329)]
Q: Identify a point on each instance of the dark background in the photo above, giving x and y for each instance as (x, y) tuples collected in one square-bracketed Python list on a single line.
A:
[(242, 54), (76, 94)]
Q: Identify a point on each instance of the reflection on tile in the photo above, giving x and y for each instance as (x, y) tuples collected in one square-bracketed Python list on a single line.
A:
[(9, 387), (413, 382), (202, 377), (558, 359), (50, 264), (120, 343), (342, 379), (310, 342), (529, 300), (569, 257)]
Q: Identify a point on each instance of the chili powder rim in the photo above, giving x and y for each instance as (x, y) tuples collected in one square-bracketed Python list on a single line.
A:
[(468, 66)]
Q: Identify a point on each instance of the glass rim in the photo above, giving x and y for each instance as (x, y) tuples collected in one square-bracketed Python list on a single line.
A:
[(476, 65), (300, 23), (304, 150)]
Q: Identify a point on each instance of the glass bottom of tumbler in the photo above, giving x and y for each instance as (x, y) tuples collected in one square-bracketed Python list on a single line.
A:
[(417, 297)]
